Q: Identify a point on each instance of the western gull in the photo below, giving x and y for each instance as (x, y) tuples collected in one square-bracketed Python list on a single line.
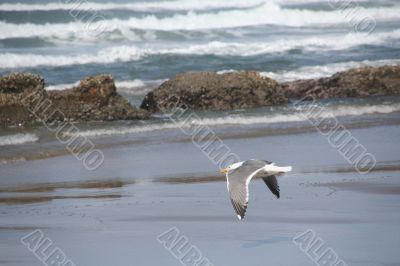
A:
[(239, 175)]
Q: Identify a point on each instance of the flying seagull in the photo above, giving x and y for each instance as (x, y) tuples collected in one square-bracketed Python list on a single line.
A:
[(238, 176)]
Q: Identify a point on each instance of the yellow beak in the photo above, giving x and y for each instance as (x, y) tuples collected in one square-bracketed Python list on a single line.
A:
[(224, 171)]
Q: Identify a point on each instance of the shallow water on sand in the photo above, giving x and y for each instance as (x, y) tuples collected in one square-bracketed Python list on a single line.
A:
[(113, 216)]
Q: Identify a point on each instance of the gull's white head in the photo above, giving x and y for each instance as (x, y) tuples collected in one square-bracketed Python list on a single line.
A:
[(231, 167)]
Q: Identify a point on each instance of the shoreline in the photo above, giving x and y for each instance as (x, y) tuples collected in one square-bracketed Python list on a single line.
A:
[(142, 190), (50, 148), (96, 98)]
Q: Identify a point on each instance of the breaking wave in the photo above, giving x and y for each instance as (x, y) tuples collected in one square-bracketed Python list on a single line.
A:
[(17, 139), (266, 14), (313, 72), (177, 5), (131, 87), (133, 53), (59, 87)]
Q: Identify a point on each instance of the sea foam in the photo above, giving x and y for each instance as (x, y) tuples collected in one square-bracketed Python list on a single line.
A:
[(177, 5), (126, 53), (314, 72), (18, 139), (337, 111), (268, 13), (131, 87)]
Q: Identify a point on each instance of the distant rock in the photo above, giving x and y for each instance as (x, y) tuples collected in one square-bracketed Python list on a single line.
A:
[(94, 99), (212, 91), (13, 89), (16, 86), (358, 82), (20, 82)]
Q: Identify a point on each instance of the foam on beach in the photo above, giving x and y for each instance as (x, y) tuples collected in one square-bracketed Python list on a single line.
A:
[(18, 139), (337, 111)]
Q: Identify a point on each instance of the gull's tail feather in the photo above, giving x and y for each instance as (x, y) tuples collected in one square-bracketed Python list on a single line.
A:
[(285, 169), (272, 168)]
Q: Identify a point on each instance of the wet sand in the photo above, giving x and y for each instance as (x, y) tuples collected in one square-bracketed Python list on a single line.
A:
[(113, 216), (95, 228), (364, 187)]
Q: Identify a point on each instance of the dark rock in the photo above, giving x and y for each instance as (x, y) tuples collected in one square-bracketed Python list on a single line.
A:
[(14, 89), (20, 82), (94, 99), (358, 82), (211, 91), (102, 85)]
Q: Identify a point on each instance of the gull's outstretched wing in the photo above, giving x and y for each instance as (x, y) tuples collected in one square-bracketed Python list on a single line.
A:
[(272, 184), (238, 186)]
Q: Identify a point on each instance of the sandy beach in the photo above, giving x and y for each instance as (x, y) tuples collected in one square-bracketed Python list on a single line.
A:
[(114, 215)]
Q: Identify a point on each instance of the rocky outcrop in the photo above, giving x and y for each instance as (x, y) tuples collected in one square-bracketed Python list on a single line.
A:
[(212, 91), (20, 82), (94, 99), (14, 88), (358, 82)]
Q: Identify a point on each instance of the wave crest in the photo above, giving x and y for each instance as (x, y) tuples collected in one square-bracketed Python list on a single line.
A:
[(266, 14), (133, 53), (177, 5), (314, 72)]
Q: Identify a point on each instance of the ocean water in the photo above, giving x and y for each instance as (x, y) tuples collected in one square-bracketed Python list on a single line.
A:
[(142, 43)]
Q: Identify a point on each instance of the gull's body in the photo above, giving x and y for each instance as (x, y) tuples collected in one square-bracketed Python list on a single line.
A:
[(239, 175)]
